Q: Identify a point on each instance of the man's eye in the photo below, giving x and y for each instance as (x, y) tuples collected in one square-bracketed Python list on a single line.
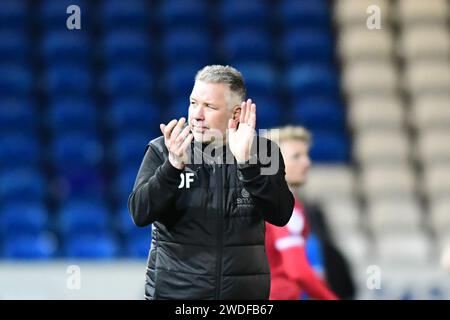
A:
[(192, 103)]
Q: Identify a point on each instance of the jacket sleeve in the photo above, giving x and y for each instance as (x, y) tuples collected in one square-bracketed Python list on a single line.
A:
[(155, 187), (265, 180)]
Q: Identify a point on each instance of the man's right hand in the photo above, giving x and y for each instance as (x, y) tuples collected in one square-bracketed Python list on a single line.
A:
[(177, 141)]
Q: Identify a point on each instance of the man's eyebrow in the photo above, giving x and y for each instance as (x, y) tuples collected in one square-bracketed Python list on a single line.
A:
[(204, 102)]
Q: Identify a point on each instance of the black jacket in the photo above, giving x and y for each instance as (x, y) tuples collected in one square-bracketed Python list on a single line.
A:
[(208, 239)]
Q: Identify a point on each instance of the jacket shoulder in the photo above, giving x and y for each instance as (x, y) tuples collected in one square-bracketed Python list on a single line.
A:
[(265, 140), (267, 145), (158, 144)]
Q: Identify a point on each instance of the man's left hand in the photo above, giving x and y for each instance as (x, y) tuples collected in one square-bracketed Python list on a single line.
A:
[(241, 132)]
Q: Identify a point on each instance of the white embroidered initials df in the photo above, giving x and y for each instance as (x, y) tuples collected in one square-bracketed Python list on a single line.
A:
[(186, 179)]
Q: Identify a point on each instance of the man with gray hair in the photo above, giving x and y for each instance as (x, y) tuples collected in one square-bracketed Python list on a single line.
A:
[(209, 216)]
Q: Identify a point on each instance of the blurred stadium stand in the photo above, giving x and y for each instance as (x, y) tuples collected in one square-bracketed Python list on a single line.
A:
[(396, 84), (77, 108)]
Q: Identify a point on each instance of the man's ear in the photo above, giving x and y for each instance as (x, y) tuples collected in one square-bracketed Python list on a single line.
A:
[(236, 112)]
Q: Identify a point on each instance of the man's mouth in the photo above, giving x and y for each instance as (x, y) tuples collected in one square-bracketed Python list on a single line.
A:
[(200, 129)]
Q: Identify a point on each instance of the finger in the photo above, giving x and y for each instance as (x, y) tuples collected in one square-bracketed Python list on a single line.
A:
[(252, 118), (185, 144), (248, 107), (232, 124), (168, 129), (242, 116), (176, 131), (161, 127), (183, 135)]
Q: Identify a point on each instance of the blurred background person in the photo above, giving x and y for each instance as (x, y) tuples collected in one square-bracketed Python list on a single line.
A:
[(291, 271)]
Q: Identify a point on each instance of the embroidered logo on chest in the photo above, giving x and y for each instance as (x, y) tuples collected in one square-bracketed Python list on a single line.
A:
[(244, 199)]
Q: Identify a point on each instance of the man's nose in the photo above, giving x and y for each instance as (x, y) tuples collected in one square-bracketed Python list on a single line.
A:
[(199, 113)]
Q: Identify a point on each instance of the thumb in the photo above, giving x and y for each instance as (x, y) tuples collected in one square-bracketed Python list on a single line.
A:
[(232, 125)]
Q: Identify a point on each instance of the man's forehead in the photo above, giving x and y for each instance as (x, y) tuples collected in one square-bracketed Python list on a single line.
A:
[(209, 91)]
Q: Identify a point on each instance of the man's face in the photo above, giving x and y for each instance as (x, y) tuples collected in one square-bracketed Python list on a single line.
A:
[(208, 111), (296, 159)]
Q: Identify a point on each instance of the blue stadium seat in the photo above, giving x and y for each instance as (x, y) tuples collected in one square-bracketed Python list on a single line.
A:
[(22, 185), (14, 47), (15, 80), (247, 45), (124, 181), (137, 239), (187, 46), (123, 221), (128, 80), (91, 246), (186, 14), (307, 44), (118, 14), (66, 47), (134, 115), (179, 107), (437, 292), (128, 148), (69, 81), (179, 81), (295, 13), (312, 79), (76, 150), (30, 246), (317, 113), (129, 46), (53, 13), (330, 147), (259, 78), (269, 111), (249, 13), (83, 216), (125, 225), (18, 115), (31, 218), (138, 244), (72, 114), (19, 150), (75, 183), (14, 15), (407, 293)]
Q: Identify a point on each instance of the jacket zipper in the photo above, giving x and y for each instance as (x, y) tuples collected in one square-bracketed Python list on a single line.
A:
[(220, 191)]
